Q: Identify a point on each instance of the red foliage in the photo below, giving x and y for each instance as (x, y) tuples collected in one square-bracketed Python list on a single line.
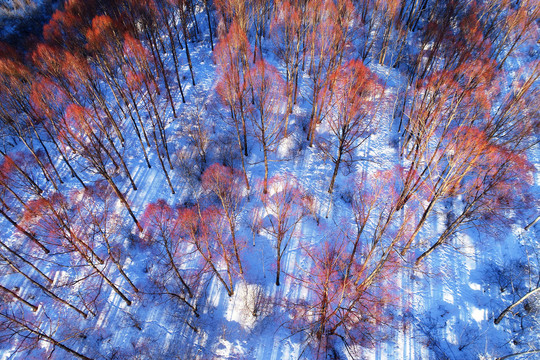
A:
[(225, 182), (160, 220), (101, 34), (232, 56), (47, 98), (338, 305), (136, 52)]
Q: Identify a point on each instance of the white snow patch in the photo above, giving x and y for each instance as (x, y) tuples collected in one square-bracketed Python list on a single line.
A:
[(478, 314), (475, 286)]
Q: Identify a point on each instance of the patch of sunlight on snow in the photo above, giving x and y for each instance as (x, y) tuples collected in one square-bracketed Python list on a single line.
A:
[(241, 304), (224, 348), (475, 286), (448, 297), (228, 350), (468, 250), (285, 147), (477, 314)]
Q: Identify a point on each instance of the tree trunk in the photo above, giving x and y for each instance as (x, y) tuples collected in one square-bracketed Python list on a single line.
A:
[(521, 300), (46, 337), (161, 161), (209, 23), (123, 200), (14, 253), (43, 288), (336, 168), (278, 269), (176, 271), (532, 223), (25, 232), (33, 307), (519, 354), (265, 151), (188, 56)]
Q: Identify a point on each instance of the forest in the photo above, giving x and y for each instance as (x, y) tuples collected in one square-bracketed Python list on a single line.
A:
[(270, 179)]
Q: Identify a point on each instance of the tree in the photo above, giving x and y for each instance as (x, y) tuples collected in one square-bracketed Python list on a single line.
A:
[(162, 224), (43, 288), (518, 25), (206, 230), (495, 187), (49, 101), (197, 126), (94, 206), (139, 74), (64, 224), (227, 185), (231, 56), (349, 274), (28, 330), (105, 45), (16, 113), (284, 210), (9, 295), (230, 11), (439, 108), (88, 142), (327, 38), (267, 117), (262, 11), (287, 33), (352, 96), (184, 8), (449, 132), (389, 9), (207, 6)]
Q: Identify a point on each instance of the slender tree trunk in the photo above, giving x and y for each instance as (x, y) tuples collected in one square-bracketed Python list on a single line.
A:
[(232, 227), (161, 162), (45, 337), (176, 271), (529, 352), (209, 23), (420, 224), (240, 145), (24, 231), (244, 131), (47, 154), (123, 200), (161, 67), (520, 301), (132, 98), (107, 280), (186, 48), (117, 263), (230, 290), (64, 157), (265, 151), (33, 307), (43, 288), (278, 269), (175, 57), (16, 254), (97, 95), (532, 223), (46, 173), (336, 169), (184, 300)]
